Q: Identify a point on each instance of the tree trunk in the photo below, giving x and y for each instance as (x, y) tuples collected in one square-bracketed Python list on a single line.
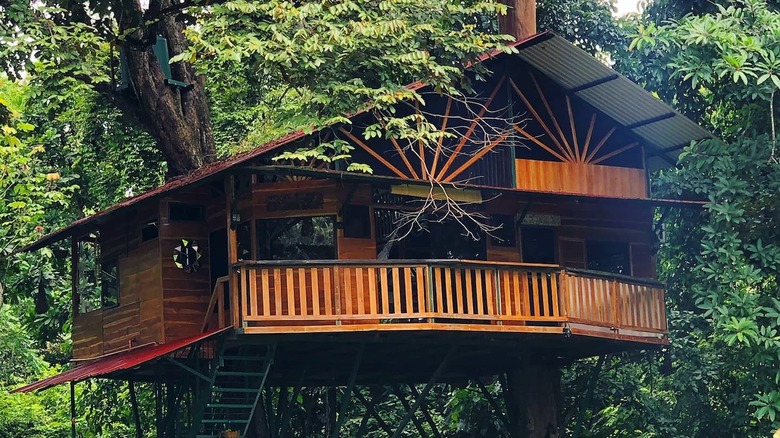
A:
[(520, 20), (535, 389), (177, 117)]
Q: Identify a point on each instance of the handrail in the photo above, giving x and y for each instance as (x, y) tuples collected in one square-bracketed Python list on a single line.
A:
[(611, 276), (213, 301), (391, 262)]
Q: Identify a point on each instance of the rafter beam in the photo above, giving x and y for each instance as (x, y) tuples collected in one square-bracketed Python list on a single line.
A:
[(539, 143), (541, 122), (470, 131), (441, 138), (373, 153), (552, 116), (477, 156)]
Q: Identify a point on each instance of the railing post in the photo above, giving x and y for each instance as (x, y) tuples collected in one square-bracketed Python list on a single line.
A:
[(431, 300), (497, 286), (235, 317), (337, 291), (563, 302), (615, 298)]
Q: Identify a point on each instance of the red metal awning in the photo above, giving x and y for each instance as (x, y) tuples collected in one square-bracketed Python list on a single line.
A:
[(118, 362)]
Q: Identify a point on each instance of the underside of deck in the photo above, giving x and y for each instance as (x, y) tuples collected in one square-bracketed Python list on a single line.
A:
[(406, 356)]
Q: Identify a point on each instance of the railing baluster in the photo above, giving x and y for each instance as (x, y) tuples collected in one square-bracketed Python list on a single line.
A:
[(448, 272), (480, 276), (266, 292), (348, 292), (315, 292), (469, 292), (459, 291), (384, 291), (327, 290), (372, 291), (554, 294), (406, 271), (396, 287), (278, 292), (421, 286), (302, 286), (361, 301)]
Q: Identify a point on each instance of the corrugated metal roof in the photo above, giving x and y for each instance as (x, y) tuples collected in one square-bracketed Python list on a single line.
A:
[(119, 362), (657, 124)]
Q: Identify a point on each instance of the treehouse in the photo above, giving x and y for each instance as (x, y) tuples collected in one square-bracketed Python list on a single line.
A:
[(526, 232)]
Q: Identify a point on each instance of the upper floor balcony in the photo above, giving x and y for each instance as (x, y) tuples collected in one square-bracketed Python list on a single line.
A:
[(444, 295)]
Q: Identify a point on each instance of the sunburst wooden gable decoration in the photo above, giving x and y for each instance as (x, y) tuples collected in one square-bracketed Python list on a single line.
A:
[(520, 111)]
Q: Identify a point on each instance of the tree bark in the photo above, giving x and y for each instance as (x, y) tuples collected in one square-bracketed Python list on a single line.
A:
[(177, 117), (535, 388), (520, 20)]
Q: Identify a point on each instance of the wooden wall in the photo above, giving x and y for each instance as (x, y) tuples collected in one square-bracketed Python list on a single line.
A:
[(586, 179), (186, 294), (137, 320)]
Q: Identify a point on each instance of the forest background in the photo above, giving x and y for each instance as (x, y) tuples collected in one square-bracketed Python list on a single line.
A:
[(71, 145)]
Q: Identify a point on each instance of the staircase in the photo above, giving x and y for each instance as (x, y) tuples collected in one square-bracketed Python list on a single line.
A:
[(237, 382)]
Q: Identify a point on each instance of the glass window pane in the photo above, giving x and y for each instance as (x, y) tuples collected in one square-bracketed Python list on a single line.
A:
[(300, 238)]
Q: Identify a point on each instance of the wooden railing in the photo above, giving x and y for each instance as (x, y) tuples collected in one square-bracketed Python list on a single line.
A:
[(322, 293)]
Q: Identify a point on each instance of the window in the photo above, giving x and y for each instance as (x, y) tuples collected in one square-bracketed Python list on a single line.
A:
[(178, 211), (109, 283), (505, 234), (611, 257), (97, 277), (244, 241), (538, 244), (300, 238), (150, 231), (88, 281), (357, 222)]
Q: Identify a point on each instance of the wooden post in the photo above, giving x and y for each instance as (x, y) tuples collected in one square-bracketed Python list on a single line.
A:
[(134, 405), (230, 195), (535, 397), (74, 275), (72, 410), (520, 19)]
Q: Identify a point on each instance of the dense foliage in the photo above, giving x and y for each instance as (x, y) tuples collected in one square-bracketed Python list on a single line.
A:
[(69, 146)]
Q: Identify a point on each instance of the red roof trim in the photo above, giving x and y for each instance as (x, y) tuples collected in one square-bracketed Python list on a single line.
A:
[(118, 362)]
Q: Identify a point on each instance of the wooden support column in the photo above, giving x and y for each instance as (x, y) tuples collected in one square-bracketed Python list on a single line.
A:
[(74, 275), (520, 19), (134, 406), (535, 397), (72, 410), (232, 246)]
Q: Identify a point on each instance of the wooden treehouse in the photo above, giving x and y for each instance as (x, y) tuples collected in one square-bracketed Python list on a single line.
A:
[(250, 273)]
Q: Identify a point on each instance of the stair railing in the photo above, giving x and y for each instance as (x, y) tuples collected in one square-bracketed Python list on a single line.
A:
[(217, 297)]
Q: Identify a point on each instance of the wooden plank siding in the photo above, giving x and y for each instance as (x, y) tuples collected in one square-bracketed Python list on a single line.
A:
[(138, 319), (186, 295), (580, 178)]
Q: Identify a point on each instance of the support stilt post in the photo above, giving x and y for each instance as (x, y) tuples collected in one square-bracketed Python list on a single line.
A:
[(72, 410), (588, 397), (417, 424), (134, 406), (348, 393), (426, 414), (421, 399), (375, 398)]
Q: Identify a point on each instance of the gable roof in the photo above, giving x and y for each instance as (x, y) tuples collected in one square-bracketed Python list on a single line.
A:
[(575, 71)]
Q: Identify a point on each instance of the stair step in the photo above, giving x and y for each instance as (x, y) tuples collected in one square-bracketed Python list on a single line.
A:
[(229, 406), (239, 373), (246, 390), (245, 358), (222, 420)]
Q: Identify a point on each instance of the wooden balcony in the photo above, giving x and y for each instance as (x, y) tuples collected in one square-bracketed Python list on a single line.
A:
[(451, 295)]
